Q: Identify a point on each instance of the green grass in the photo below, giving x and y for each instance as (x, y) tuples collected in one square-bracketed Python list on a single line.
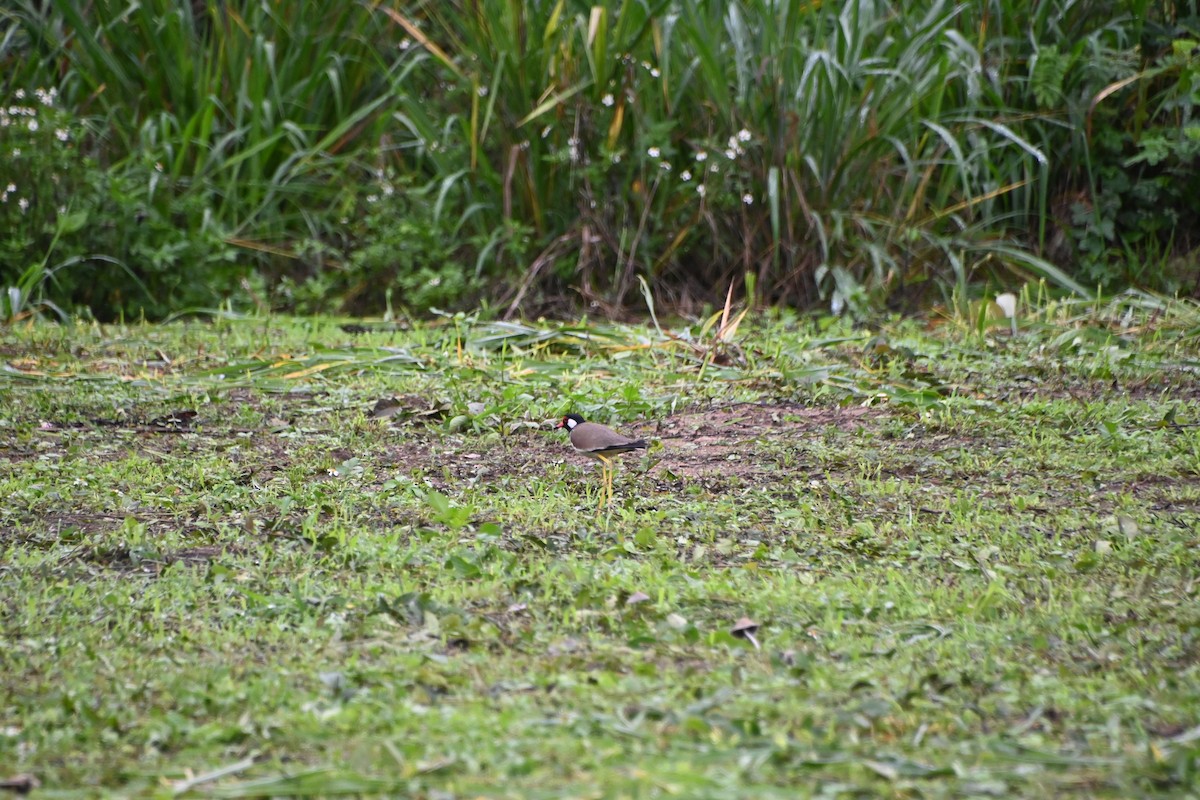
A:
[(972, 557)]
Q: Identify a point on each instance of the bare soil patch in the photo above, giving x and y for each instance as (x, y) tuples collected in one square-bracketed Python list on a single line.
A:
[(723, 440)]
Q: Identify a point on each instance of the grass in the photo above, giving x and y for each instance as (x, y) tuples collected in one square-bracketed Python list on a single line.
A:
[(547, 155), (972, 557)]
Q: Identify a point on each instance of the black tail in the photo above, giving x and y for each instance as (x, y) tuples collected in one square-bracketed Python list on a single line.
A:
[(640, 444)]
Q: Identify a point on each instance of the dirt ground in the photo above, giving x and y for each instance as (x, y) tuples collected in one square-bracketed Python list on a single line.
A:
[(716, 448)]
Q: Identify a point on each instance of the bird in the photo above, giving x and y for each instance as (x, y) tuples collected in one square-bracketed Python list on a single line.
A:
[(601, 443)]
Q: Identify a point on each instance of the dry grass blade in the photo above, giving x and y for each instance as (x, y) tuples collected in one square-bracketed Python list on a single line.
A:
[(419, 36)]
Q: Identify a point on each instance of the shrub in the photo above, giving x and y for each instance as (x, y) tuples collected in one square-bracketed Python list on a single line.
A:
[(114, 240), (861, 155), (1112, 91), (1144, 200), (397, 247), (223, 124)]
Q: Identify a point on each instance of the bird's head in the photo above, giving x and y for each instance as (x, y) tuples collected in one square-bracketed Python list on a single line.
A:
[(569, 422)]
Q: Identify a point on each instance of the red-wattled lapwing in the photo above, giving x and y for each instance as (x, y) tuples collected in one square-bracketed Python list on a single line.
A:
[(599, 442)]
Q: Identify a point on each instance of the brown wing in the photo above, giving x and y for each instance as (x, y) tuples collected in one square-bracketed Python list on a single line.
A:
[(596, 439)]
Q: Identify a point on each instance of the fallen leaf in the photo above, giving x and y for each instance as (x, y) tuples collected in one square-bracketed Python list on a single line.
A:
[(745, 628), (637, 597)]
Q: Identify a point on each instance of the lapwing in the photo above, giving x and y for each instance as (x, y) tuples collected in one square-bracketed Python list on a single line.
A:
[(601, 443)]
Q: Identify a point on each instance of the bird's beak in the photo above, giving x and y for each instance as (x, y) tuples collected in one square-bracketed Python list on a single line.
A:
[(560, 424)]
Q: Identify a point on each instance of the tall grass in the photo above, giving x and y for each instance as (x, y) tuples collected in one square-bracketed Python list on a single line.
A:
[(848, 153), (856, 155), (228, 136), (251, 103)]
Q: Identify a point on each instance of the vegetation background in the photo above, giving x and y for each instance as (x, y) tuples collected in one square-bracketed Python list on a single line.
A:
[(542, 155), (271, 554)]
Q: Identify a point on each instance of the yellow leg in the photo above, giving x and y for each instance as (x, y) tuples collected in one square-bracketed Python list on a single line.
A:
[(607, 477)]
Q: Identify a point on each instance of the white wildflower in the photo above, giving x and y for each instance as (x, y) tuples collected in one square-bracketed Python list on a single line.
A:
[(701, 189), (33, 125), (654, 73), (60, 134), (607, 100), (685, 175), (701, 156), (23, 204), (743, 135), (748, 199), (653, 152), (20, 94)]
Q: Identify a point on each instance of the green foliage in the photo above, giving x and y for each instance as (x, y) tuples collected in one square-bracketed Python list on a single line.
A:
[(398, 248), (115, 240), (401, 249), (861, 155), (1047, 74), (247, 101), (1115, 94), (1144, 167), (845, 152), (226, 125), (38, 188)]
